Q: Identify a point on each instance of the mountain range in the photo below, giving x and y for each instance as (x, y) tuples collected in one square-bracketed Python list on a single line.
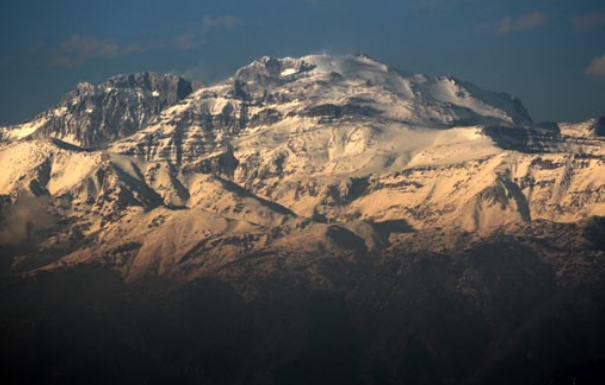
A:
[(383, 221)]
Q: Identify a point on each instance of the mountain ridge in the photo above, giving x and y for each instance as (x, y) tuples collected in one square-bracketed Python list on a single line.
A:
[(307, 220), (337, 141)]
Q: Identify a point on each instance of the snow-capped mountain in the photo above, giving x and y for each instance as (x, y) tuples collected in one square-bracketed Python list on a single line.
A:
[(313, 220), (148, 174)]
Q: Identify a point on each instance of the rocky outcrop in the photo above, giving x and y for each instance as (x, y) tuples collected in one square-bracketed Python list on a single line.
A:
[(94, 116)]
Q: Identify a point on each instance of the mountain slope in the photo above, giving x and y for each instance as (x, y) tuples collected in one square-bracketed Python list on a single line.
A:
[(307, 220), (337, 146)]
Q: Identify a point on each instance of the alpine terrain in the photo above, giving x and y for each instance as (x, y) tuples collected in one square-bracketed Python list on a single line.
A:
[(324, 219)]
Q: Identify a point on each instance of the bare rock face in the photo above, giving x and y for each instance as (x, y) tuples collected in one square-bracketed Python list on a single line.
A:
[(93, 116), (599, 127)]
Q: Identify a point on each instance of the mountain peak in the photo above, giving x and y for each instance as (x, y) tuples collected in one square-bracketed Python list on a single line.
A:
[(94, 116), (445, 100), (142, 79), (267, 68)]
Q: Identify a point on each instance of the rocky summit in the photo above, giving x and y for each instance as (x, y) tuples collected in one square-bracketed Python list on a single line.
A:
[(394, 227)]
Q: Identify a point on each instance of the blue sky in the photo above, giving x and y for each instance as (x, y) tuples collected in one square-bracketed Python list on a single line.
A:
[(550, 53)]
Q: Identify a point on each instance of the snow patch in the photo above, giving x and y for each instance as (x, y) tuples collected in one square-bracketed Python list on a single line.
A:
[(60, 111), (288, 72), (23, 130)]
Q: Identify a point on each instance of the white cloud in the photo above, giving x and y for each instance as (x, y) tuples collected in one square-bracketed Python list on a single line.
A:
[(588, 21), (194, 38), (189, 41), (78, 50), (526, 22), (596, 69), (225, 22)]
